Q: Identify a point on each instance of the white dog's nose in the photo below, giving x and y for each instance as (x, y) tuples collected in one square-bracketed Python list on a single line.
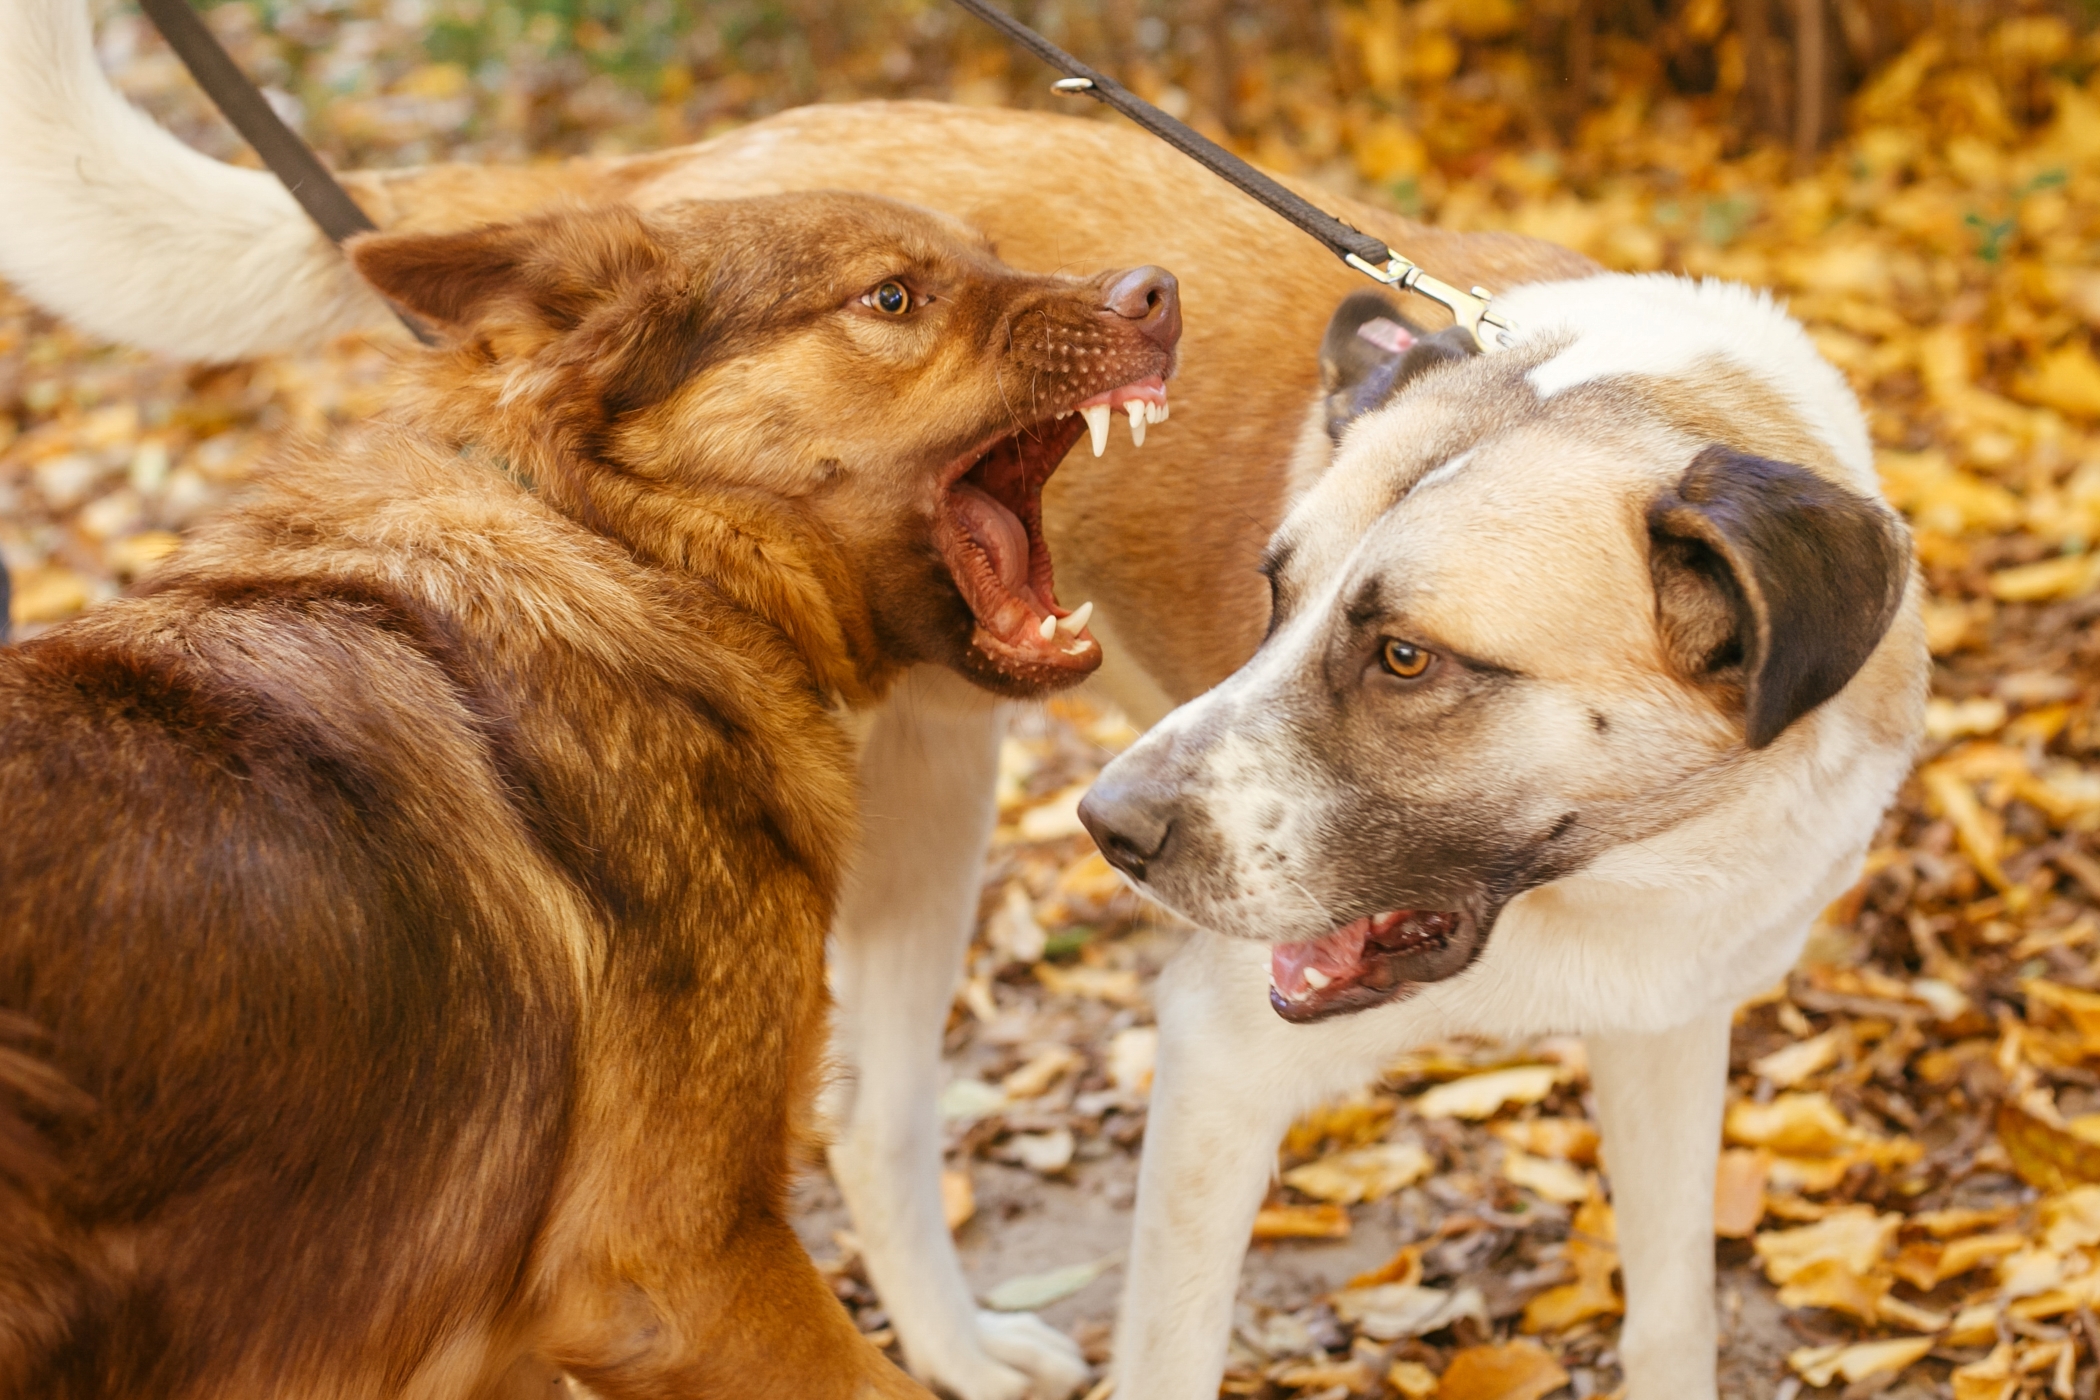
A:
[(1130, 819)]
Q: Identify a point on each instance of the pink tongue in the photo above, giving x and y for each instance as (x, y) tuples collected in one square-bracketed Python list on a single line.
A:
[(998, 532), (1339, 956)]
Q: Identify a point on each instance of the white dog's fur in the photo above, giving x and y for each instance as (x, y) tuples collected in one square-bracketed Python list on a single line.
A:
[(115, 224)]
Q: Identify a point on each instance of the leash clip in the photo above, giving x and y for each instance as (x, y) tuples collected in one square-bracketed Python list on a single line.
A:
[(1473, 310)]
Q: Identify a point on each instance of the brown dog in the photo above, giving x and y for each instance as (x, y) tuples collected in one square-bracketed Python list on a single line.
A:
[(412, 911)]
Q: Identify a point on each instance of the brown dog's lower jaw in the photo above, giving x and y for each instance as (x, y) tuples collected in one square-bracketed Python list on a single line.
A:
[(990, 536), (1366, 962)]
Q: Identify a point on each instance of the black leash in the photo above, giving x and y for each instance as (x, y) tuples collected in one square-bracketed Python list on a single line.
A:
[(290, 159), (1352, 245)]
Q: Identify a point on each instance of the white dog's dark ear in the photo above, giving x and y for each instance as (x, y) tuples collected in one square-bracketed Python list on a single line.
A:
[(1371, 351), (1772, 584)]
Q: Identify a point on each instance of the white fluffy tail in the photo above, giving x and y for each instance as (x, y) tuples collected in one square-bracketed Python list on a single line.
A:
[(118, 226)]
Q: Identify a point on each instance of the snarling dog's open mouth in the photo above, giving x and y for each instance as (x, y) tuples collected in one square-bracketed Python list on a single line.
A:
[(990, 534), (1373, 960)]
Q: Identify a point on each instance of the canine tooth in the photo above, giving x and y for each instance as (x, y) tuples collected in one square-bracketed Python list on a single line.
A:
[(1074, 622), (1048, 629), (1097, 424), (1316, 979), (1136, 409)]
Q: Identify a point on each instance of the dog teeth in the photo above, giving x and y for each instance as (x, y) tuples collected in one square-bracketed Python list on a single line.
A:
[(1074, 622), (1139, 413), (1097, 424), (1048, 629), (1316, 979)]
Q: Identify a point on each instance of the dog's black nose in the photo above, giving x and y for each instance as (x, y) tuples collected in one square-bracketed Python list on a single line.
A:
[(1130, 824), (1151, 297)]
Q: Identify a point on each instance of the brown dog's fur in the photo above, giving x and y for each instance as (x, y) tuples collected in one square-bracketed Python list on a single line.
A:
[(412, 914)]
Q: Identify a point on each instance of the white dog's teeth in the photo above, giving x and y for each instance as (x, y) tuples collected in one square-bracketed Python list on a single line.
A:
[(1074, 622), (1136, 409), (1048, 629), (1316, 979), (1097, 424)]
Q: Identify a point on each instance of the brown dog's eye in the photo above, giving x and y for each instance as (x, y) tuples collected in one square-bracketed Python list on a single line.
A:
[(891, 298), (1403, 659)]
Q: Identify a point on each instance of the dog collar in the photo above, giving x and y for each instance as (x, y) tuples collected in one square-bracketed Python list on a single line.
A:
[(1472, 309)]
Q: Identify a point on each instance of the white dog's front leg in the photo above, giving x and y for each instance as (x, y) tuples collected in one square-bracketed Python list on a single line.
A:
[(1659, 1098), (1231, 1077), (927, 771)]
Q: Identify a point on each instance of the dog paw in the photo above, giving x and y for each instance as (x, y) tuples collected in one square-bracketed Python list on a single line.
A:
[(1049, 1362)]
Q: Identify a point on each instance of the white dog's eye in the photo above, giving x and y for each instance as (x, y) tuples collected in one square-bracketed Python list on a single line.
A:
[(1404, 659)]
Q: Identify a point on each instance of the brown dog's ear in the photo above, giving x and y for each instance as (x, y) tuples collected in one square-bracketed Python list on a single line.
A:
[(602, 272), (1371, 351), (1771, 583), (558, 267)]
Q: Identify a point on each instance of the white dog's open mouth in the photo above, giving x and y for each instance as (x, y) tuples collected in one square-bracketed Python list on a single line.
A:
[(990, 534), (1369, 962)]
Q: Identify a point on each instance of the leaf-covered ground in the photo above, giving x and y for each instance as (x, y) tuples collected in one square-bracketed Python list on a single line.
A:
[(1910, 1199)]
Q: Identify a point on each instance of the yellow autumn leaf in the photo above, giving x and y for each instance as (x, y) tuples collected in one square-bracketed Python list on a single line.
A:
[(1546, 1177), (1571, 1139), (1516, 1370), (2066, 379), (1362, 1173), (1794, 1124), (1819, 1366), (1484, 1095), (1321, 1222), (1854, 1236)]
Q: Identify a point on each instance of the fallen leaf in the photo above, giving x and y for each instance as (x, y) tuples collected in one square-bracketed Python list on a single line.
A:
[(1028, 1292), (958, 1199), (1571, 1139), (1739, 1193), (1806, 1125), (1819, 1366), (1546, 1178), (1516, 1370), (1404, 1267), (1132, 1053), (1321, 1222), (1389, 1311), (1989, 1379), (1854, 1237), (1483, 1095), (2045, 1155), (1790, 1064), (47, 594), (1831, 1283), (970, 1098), (1055, 817), (1352, 1122), (1591, 1254), (2069, 1221), (1352, 1376), (1045, 1154), (1413, 1380), (1044, 1069), (1362, 1173), (1116, 985)]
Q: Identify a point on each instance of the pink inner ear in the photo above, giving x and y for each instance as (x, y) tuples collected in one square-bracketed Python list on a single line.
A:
[(1389, 336)]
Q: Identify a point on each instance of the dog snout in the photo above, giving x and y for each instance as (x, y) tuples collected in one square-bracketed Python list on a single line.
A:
[(1131, 821), (1152, 298)]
